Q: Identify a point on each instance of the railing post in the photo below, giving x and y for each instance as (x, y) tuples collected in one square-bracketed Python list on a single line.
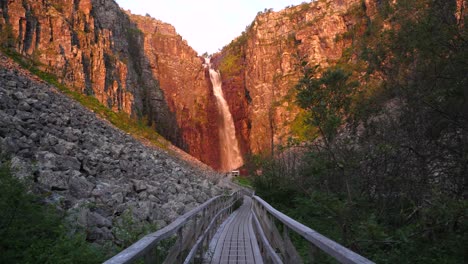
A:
[(292, 256), (203, 219), (180, 234), (312, 252), (152, 256), (195, 227)]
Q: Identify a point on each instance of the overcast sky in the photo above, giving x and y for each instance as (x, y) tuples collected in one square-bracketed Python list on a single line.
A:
[(207, 25)]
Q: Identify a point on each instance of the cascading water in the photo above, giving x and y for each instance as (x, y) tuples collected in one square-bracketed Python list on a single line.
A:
[(231, 157)]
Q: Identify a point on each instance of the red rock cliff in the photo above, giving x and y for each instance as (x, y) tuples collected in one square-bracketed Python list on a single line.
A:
[(130, 63), (261, 67)]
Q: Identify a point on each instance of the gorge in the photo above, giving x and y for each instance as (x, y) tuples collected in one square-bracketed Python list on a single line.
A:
[(141, 66), (350, 116)]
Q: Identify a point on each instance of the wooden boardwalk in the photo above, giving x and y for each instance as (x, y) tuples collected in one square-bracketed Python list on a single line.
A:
[(235, 241)]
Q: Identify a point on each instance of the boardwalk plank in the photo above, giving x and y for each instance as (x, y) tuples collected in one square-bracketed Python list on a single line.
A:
[(237, 243)]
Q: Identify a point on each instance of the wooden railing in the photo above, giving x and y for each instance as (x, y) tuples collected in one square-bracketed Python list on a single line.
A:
[(277, 247), (184, 240)]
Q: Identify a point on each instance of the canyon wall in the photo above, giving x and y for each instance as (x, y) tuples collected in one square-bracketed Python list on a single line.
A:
[(140, 65), (130, 63), (261, 67)]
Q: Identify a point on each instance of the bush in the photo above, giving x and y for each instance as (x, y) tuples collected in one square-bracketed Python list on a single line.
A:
[(387, 177), (33, 232)]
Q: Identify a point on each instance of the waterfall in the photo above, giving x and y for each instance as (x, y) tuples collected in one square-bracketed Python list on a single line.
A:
[(231, 157)]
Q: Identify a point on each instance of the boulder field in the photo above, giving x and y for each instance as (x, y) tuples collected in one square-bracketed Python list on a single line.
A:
[(85, 166)]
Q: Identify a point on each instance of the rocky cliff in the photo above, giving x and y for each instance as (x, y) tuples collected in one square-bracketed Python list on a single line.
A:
[(140, 65), (85, 166), (130, 63), (261, 67)]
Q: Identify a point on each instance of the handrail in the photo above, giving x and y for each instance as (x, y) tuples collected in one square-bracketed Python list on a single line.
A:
[(263, 242), (337, 251), (205, 234), (146, 246)]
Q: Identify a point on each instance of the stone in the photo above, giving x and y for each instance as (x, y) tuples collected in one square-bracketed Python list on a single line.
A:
[(23, 106), (64, 148), (49, 140), (34, 137), (10, 145), (21, 168), (95, 219), (143, 211), (96, 234), (139, 186), (19, 96), (118, 198), (160, 223), (153, 199), (79, 187), (50, 160), (153, 190), (171, 189), (11, 84), (71, 135), (68, 162), (53, 180)]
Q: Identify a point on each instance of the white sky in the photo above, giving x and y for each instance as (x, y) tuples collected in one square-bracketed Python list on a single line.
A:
[(207, 25)]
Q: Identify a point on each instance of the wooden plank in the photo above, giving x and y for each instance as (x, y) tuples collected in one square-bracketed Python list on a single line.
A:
[(237, 243), (339, 252)]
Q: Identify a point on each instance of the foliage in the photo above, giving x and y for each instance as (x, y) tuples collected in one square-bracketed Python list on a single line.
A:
[(243, 181), (387, 176), (301, 128), (31, 232), (234, 54), (326, 98), (230, 63), (128, 231)]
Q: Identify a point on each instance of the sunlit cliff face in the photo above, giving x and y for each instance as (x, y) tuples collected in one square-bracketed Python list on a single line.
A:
[(140, 65)]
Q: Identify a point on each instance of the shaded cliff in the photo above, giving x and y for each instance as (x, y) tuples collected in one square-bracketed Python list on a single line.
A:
[(261, 67), (130, 63), (186, 86)]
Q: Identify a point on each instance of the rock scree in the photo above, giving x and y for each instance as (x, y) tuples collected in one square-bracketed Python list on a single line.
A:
[(85, 166)]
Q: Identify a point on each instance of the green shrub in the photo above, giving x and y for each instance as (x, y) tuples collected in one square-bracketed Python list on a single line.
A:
[(243, 181), (33, 232), (391, 185)]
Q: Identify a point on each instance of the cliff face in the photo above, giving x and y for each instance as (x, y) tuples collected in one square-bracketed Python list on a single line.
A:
[(142, 66), (129, 63), (261, 67), (186, 86)]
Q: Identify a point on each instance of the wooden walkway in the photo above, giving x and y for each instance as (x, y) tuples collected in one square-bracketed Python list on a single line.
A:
[(203, 236), (235, 241)]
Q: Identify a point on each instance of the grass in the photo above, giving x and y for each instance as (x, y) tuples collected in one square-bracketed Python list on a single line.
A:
[(32, 232), (244, 181), (120, 119)]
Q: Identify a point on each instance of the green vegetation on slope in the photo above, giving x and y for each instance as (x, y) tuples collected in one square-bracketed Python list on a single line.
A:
[(122, 120), (243, 181), (233, 60), (386, 173)]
